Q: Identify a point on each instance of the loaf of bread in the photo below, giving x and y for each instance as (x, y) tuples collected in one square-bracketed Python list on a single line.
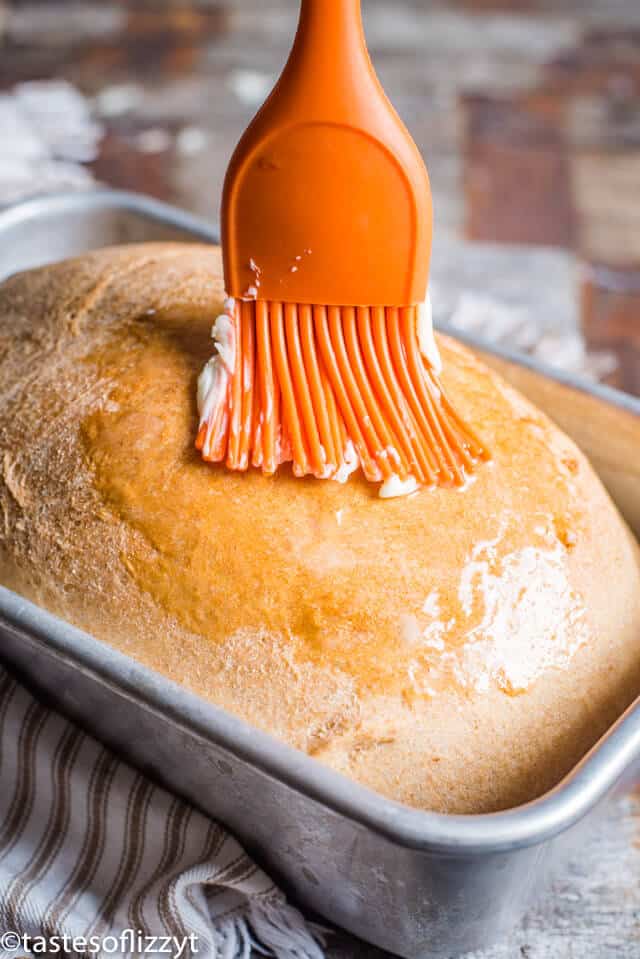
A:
[(454, 650)]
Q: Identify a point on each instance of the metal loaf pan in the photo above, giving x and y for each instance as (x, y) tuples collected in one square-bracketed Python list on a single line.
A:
[(416, 883)]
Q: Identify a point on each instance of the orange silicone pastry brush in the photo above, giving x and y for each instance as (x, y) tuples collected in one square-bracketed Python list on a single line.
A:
[(327, 227)]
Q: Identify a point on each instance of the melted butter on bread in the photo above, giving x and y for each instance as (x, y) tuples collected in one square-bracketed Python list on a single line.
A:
[(235, 553)]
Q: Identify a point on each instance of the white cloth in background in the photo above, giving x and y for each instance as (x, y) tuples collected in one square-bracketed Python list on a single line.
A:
[(47, 132), (89, 848)]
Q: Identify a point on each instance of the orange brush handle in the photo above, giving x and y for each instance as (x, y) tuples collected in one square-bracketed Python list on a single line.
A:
[(327, 199)]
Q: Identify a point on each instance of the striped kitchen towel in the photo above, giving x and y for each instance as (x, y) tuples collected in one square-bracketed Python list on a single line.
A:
[(97, 860)]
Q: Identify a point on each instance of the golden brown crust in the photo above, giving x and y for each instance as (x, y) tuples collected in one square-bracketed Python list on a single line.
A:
[(457, 651)]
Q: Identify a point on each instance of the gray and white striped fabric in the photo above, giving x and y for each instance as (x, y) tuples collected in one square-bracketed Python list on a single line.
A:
[(97, 860)]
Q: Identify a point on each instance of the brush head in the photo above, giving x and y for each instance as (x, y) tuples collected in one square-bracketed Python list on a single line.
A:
[(327, 199), (331, 390)]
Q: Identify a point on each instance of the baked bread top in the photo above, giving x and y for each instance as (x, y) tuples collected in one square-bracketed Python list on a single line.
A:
[(455, 650)]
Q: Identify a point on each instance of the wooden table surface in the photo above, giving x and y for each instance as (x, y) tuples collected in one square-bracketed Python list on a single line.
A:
[(528, 114)]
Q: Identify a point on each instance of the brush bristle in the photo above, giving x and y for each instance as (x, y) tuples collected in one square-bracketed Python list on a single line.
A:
[(330, 389)]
